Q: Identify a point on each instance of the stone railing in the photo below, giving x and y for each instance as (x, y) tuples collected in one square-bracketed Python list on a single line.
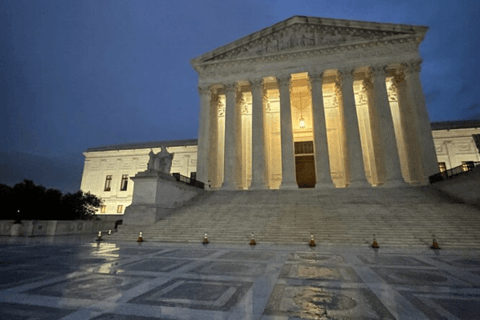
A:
[(448, 174), (53, 227)]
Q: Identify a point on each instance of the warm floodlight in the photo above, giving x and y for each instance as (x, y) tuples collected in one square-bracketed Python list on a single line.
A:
[(302, 123)]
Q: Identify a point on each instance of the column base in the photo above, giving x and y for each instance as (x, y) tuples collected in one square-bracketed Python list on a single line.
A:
[(394, 183), (359, 184), (289, 185), (324, 185), (229, 186), (258, 186)]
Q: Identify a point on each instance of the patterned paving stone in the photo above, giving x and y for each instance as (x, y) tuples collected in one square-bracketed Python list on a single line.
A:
[(393, 261), (94, 287), (197, 294), (156, 265), (231, 268), (14, 311), (319, 272), (417, 277), (248, 255), (315, 257), (312, 302), (445, 306), (187, 253)]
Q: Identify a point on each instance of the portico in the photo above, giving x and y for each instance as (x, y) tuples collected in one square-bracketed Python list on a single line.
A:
[(313, 102)]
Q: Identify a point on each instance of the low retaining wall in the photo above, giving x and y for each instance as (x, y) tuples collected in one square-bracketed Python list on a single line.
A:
[(464, 187), (53, 227)]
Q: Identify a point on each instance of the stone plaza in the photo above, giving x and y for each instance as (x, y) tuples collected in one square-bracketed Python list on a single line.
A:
[(79, 278)]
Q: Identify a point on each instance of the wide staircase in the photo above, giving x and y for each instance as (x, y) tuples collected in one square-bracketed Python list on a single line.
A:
[(398, 217)]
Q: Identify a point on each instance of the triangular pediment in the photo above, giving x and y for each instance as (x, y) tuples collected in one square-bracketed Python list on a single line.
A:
[(308, 33)]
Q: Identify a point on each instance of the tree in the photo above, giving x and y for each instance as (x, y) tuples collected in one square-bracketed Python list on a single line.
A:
[(27, 201)]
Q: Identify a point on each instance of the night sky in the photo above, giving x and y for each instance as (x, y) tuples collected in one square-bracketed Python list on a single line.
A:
[(76, 74)]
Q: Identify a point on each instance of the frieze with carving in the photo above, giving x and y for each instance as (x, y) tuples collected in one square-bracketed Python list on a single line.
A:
[(301, 37)]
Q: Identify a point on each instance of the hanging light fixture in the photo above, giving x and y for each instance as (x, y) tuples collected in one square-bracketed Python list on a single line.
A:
[(302, 121)]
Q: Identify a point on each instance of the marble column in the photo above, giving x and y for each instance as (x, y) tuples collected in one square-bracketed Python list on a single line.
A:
[(239, 167), (259, 164), (213, 138), (289, 180), (231, 121), (414, 87), (354, 146), (408, 130), (393, 170), (203, 130), (322, 160)]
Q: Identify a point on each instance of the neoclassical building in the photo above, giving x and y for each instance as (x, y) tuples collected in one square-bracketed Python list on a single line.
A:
[(307, 102), (314, 102)]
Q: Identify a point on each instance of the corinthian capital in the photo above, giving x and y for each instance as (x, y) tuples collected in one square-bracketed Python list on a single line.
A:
[(284, 80), (257, 82), (316, 78), (230, 87), (203, 89), (412, 66), (345, 75)]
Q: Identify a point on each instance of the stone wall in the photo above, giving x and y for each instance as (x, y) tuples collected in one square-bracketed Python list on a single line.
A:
[(463, 187), (53, 227)]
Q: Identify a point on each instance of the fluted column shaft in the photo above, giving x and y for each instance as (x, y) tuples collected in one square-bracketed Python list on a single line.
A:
[(203, 130), (213, 142), (231, 115), (354, 145), (288, 156), (414, 87), (259, 164), (393, 170), (412, 147), (322, 160)]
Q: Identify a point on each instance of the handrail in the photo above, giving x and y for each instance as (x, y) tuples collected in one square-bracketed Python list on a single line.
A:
[(188, 180), (450, 173)]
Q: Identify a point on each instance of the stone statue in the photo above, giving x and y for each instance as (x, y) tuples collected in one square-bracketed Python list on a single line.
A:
[(160, 162)]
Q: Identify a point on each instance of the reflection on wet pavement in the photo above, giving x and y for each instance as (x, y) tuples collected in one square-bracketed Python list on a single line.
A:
[(77, 278)]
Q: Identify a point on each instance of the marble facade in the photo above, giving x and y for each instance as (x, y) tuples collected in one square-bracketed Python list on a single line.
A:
[(341, 99)]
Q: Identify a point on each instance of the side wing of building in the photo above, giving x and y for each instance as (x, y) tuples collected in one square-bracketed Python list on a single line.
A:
[(107, 170)]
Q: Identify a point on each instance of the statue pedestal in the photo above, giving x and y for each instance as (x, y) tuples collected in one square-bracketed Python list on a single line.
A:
[(155, 195)]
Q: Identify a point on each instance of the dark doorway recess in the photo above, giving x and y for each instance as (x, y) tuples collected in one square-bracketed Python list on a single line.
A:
[(305, 168)]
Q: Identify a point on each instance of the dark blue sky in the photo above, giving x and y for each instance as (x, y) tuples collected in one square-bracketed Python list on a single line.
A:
[(78, 74)]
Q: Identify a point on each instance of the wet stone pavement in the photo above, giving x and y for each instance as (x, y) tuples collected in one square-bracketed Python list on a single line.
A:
[(78, 278)]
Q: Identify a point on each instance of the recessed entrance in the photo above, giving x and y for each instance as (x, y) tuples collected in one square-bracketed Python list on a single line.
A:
[(305, 168)]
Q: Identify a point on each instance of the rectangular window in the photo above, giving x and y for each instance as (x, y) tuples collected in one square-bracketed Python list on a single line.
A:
[(467, 165), (108, 182), (103, 209), (442, 167), (304, 147), (124, 182), (193, 175), (120, 208)]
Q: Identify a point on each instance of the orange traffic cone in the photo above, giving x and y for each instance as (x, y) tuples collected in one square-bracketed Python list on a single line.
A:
[(312, 241), (205, 239), (252, 241), (375, 243), (434, 244)]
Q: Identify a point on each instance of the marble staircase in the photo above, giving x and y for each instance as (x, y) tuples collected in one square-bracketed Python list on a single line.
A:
[(399, 217)]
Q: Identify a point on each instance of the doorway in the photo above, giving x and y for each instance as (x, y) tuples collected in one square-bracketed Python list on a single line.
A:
[(305, 170)]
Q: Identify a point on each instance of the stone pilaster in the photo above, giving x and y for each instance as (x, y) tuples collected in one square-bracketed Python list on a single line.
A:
[(203, 132), (231, 120), (288, 156), (322, 160), (414, 87), (259, 164), (354, 147), (393, 171)]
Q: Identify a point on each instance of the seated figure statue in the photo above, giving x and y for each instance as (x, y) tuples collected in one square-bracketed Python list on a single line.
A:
[(160, 162)]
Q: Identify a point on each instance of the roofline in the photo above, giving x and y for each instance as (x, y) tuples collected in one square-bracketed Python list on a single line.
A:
[(145, 145), (455, 124), (387, 26)]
